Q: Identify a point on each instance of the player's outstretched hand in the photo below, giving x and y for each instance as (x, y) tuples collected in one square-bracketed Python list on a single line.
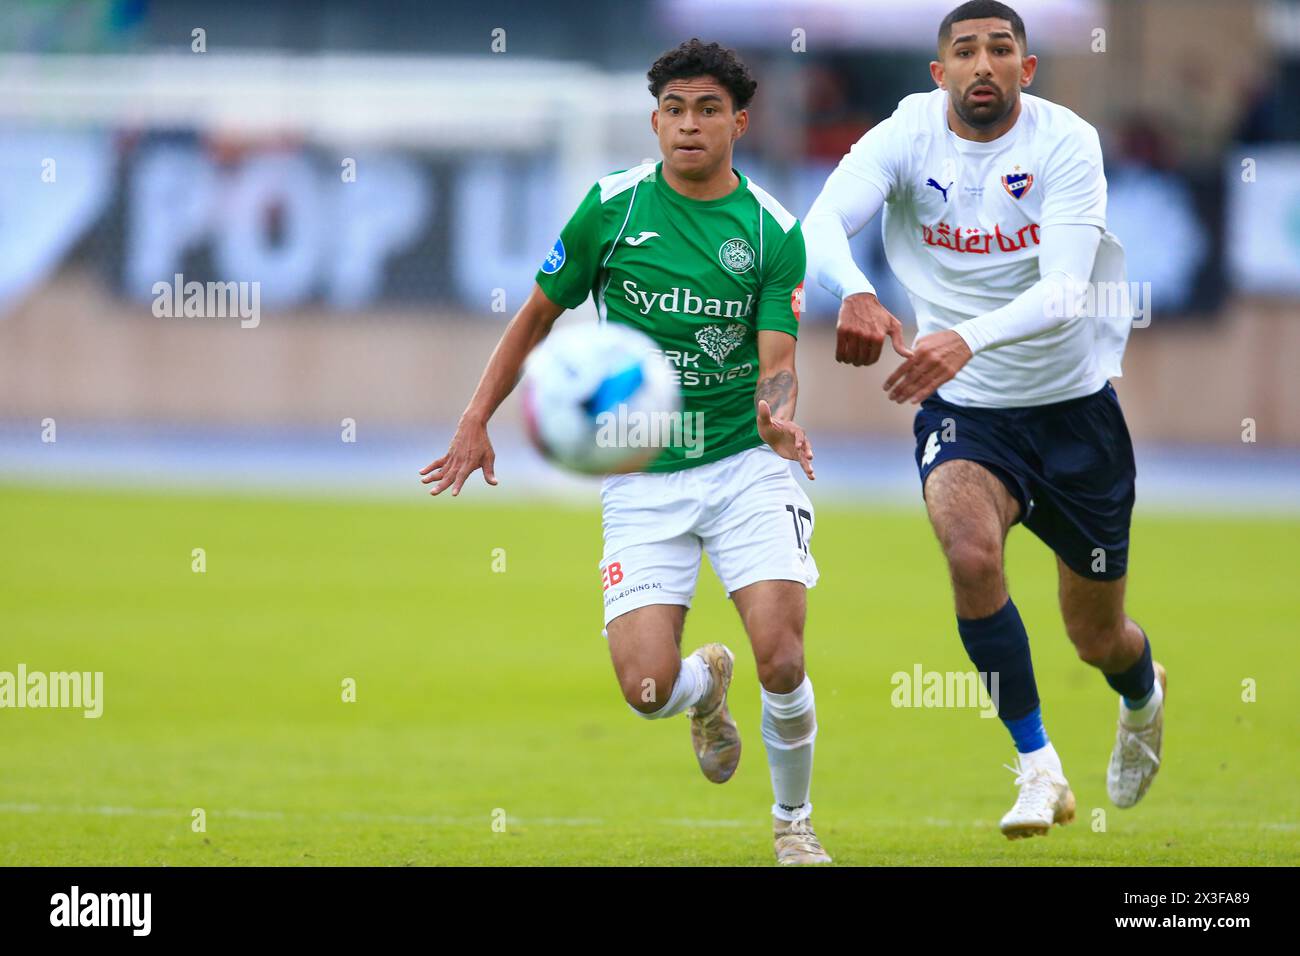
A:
[(936, 358), (786, 438), (863, 326), (469, 451)]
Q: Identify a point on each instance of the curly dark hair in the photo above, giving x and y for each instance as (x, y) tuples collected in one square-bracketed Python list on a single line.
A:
[(983, 10), (697, 58)]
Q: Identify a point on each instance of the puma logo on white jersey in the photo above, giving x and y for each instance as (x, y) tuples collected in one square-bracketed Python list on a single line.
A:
[(637, 240)]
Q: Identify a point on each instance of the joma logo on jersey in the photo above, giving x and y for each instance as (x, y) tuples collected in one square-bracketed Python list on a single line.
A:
[(683, 301)]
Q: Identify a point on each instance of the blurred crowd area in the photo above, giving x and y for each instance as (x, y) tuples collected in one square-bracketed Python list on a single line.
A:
[(390, 175)]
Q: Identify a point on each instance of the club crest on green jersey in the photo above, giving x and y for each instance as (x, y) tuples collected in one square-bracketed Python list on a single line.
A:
[(736, 255)]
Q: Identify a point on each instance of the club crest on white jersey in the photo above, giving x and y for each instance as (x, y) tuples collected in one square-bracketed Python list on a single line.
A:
[(1017, 184)]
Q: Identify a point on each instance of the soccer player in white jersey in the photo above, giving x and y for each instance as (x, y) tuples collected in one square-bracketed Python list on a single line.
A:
[(994, 222), (711, 267)]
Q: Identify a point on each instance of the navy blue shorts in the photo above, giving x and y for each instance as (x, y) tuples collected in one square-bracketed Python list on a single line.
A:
[(1069, 464)]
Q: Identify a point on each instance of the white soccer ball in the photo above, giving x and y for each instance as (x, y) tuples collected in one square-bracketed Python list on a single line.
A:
[(595, 398)]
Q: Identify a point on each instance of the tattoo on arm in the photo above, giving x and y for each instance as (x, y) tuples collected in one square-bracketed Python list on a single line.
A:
[(778, 390)]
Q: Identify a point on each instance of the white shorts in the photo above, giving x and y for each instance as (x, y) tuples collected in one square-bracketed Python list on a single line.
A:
[(746, 510)]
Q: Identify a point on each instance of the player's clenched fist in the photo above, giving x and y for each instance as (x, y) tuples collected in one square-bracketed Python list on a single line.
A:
[(470, 450), (863, 326)]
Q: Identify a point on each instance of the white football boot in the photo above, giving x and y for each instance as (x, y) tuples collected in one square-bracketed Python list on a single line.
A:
[(1136, 757), (1045, 799), (797, 844)]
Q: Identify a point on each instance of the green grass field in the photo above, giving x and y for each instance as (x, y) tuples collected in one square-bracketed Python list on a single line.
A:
[(481, 691)]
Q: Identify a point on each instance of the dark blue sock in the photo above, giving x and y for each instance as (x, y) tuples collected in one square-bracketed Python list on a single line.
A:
[(1136, 684), (998, 644)]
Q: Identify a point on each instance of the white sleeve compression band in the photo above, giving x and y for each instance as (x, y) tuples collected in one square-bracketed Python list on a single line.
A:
[(846, 204), (1065, 260)]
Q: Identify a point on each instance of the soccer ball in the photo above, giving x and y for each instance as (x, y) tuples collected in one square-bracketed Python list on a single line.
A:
[(588, 393)]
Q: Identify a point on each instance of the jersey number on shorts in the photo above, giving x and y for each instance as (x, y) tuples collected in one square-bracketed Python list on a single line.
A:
[(798, 516)]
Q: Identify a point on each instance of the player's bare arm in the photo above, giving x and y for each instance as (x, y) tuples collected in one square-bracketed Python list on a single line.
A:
[(470, 447), (775, 398), (863, 326)]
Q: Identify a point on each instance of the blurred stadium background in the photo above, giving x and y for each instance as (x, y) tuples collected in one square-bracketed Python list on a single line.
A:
[(392, 174), (392, 184)]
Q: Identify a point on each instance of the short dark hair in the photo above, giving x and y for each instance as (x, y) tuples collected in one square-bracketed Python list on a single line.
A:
[(983, 10), (696, 58)]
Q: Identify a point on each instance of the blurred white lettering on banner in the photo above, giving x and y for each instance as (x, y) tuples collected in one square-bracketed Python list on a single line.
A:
[(276, 218)]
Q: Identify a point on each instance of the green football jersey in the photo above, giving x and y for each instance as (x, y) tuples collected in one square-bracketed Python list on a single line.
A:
[(700, 278)]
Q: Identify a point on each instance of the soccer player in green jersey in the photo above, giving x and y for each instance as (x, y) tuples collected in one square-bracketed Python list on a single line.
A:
[(711, 267)]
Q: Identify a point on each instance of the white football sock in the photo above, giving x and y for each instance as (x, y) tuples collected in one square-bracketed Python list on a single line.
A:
[(693, 682), (1144, 714), (789, 729), (1045, 756)]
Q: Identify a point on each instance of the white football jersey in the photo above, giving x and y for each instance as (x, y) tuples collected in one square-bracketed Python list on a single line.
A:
[(962, 225)]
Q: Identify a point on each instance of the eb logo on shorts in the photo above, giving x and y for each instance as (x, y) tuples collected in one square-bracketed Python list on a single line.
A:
[(611, 574)]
